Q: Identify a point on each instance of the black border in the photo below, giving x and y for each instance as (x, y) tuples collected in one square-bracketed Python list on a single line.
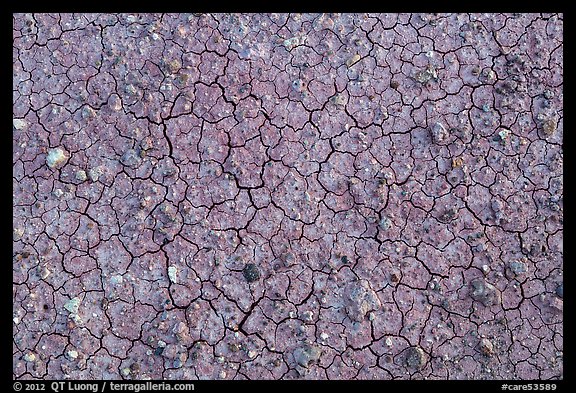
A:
[(364, 6)]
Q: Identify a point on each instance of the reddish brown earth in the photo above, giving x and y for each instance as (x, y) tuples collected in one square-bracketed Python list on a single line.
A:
[(288, 196)]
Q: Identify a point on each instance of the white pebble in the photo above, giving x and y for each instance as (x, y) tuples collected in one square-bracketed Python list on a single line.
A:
[(19, 124), (30, 357), (172, 274), (81, 175), (55, 157)]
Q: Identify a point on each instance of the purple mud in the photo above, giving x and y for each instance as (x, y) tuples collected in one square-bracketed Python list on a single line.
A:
[(288, 196)]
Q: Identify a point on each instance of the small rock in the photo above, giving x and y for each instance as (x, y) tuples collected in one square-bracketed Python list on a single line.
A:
[(252, 354), (306, 355), (415, 357), (251, 272), (338, 99), (81, 175), (173, 66), (394, 84), (424, 76), (484, 292), (130, 158), (95, 173), (486, 347), (503, 134), (385, 223), (179, 328), (439, 133), (73, 305), (44, 272), (30, 357), (517, 268), (353, 60), (389, 341), (116, 279), (308, 316), (173, 274), (135, 368), (557, 304), (19, 124), (88, 112), (171, 351), (125, 371), (487, 76), (291, 43), (55, 157), (222, 374), (72, 354), (360, 299), (549, 126), (560, 290)]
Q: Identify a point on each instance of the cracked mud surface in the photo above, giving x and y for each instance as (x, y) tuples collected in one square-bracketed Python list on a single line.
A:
[(288, 196)]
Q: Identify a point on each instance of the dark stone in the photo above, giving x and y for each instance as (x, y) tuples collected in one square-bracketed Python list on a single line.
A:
[(251, 272), (415, 357), (560, 290)]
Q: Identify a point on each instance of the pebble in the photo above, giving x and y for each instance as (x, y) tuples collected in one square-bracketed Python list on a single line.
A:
[(415, 357), (353, 60), (306, 355), (19, 124), (251, 273), (504, 134), (424, 76), (116, 279), (95, 173), (517, 267), (484, 292), (55, 157), (72, 354), (130, 158), (439, 133), (173, 274), (385, 223), (549, 126), (560, 290), (222, 374), (73, 305), (44, 272), (30, 357), (81, 175), (486, 347)]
